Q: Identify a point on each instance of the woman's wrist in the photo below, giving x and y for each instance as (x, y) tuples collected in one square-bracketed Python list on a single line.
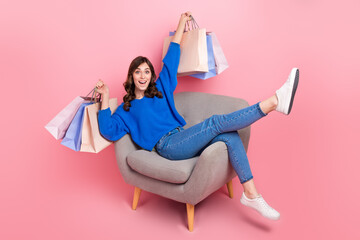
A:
[(179, 32), (182, 21), (105, 101), (105, 95), (181, 25)]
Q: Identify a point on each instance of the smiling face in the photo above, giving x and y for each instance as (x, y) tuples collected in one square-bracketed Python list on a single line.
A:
[(141, 77)]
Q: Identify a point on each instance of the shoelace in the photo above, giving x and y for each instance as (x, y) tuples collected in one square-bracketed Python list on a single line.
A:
[(264, 204)]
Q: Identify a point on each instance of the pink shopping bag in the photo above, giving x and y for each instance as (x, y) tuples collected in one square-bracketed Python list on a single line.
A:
[(193, 56), (220, 61), (61, 122), (91, 139)]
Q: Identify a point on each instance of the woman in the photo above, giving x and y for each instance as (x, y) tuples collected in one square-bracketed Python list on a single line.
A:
[(149, 115)]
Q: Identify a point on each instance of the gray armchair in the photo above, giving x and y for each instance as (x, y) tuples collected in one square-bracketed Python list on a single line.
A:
[(188, 181)]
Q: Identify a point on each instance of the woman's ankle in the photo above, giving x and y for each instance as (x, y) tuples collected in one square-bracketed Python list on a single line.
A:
[(251, 195), (269, 104), (276, 101)]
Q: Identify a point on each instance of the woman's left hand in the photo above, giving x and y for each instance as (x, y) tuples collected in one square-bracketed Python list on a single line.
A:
[(181, 27)]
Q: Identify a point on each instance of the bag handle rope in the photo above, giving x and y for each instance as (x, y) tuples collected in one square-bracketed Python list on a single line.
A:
[(95, 96)]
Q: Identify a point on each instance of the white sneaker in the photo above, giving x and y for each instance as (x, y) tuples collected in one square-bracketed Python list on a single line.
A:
[(286, 93), (261, 206)]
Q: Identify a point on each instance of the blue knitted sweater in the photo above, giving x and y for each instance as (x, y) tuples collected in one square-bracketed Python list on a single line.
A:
[(148, 119)]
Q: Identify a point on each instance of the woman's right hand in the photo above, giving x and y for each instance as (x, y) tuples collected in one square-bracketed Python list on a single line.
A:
[(102, 88)]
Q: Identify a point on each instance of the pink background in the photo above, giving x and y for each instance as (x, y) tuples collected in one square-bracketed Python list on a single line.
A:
[(306, 165)]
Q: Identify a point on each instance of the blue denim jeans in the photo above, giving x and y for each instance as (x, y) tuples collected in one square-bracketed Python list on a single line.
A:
[(183, 143)]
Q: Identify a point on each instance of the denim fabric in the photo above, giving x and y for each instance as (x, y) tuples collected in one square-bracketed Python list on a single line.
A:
[(183, 143)]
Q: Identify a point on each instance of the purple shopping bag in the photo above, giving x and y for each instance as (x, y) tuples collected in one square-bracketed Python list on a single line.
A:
[(211, 61), (72, 137)]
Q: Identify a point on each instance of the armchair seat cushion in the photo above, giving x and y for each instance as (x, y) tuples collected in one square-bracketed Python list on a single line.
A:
[(151, 164)]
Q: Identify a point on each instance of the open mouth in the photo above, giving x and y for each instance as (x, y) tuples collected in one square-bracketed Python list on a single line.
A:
[(142, 82)]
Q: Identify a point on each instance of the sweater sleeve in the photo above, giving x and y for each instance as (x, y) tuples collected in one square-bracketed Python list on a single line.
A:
[(168, 74), (111, 127)]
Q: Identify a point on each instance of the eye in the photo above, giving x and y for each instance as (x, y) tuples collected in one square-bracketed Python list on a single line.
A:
[(137, 72), (147, 72)]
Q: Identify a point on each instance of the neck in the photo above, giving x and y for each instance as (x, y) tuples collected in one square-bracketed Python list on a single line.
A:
[(139, 94)]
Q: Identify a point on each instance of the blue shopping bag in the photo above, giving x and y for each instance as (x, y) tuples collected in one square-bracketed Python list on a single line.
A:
[(72, 137), (211, 60)]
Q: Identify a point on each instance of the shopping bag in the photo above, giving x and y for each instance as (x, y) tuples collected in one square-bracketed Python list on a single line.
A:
[(211, 61), (91, 139), (72, 137), (193, 56), (220, 60), (60, 123)]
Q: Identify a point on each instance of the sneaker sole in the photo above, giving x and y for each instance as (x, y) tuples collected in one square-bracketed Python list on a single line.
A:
[(296, 82)]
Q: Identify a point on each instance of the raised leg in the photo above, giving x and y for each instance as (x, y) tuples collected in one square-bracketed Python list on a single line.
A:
[(191, 141), (137, 192), (230, 189), (190, 215)]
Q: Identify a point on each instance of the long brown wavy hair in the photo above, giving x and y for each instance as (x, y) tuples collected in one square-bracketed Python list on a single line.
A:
[(129, 84)]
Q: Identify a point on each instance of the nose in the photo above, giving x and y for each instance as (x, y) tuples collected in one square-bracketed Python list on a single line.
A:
[(142, 75)]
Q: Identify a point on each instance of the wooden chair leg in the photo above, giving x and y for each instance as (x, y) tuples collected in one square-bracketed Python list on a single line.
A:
[(230, 189), (137, 192), (190, 215)]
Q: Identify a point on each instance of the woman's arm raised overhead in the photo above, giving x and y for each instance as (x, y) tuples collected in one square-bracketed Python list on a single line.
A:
[(168, 74), (181, 27)]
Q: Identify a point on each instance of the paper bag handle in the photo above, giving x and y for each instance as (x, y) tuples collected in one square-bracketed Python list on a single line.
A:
[(194, 25), (94, 98)]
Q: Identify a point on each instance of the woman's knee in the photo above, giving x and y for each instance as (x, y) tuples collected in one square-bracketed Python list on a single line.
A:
[(213, 120), (215, 123), (228, 138)]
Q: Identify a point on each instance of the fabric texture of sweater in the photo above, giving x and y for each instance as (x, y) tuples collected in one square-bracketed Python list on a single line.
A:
[(148, 119)]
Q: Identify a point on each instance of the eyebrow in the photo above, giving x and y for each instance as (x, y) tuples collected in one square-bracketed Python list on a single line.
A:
[(144, 69)]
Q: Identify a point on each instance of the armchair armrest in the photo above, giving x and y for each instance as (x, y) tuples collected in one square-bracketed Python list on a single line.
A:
[(123, 147)]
